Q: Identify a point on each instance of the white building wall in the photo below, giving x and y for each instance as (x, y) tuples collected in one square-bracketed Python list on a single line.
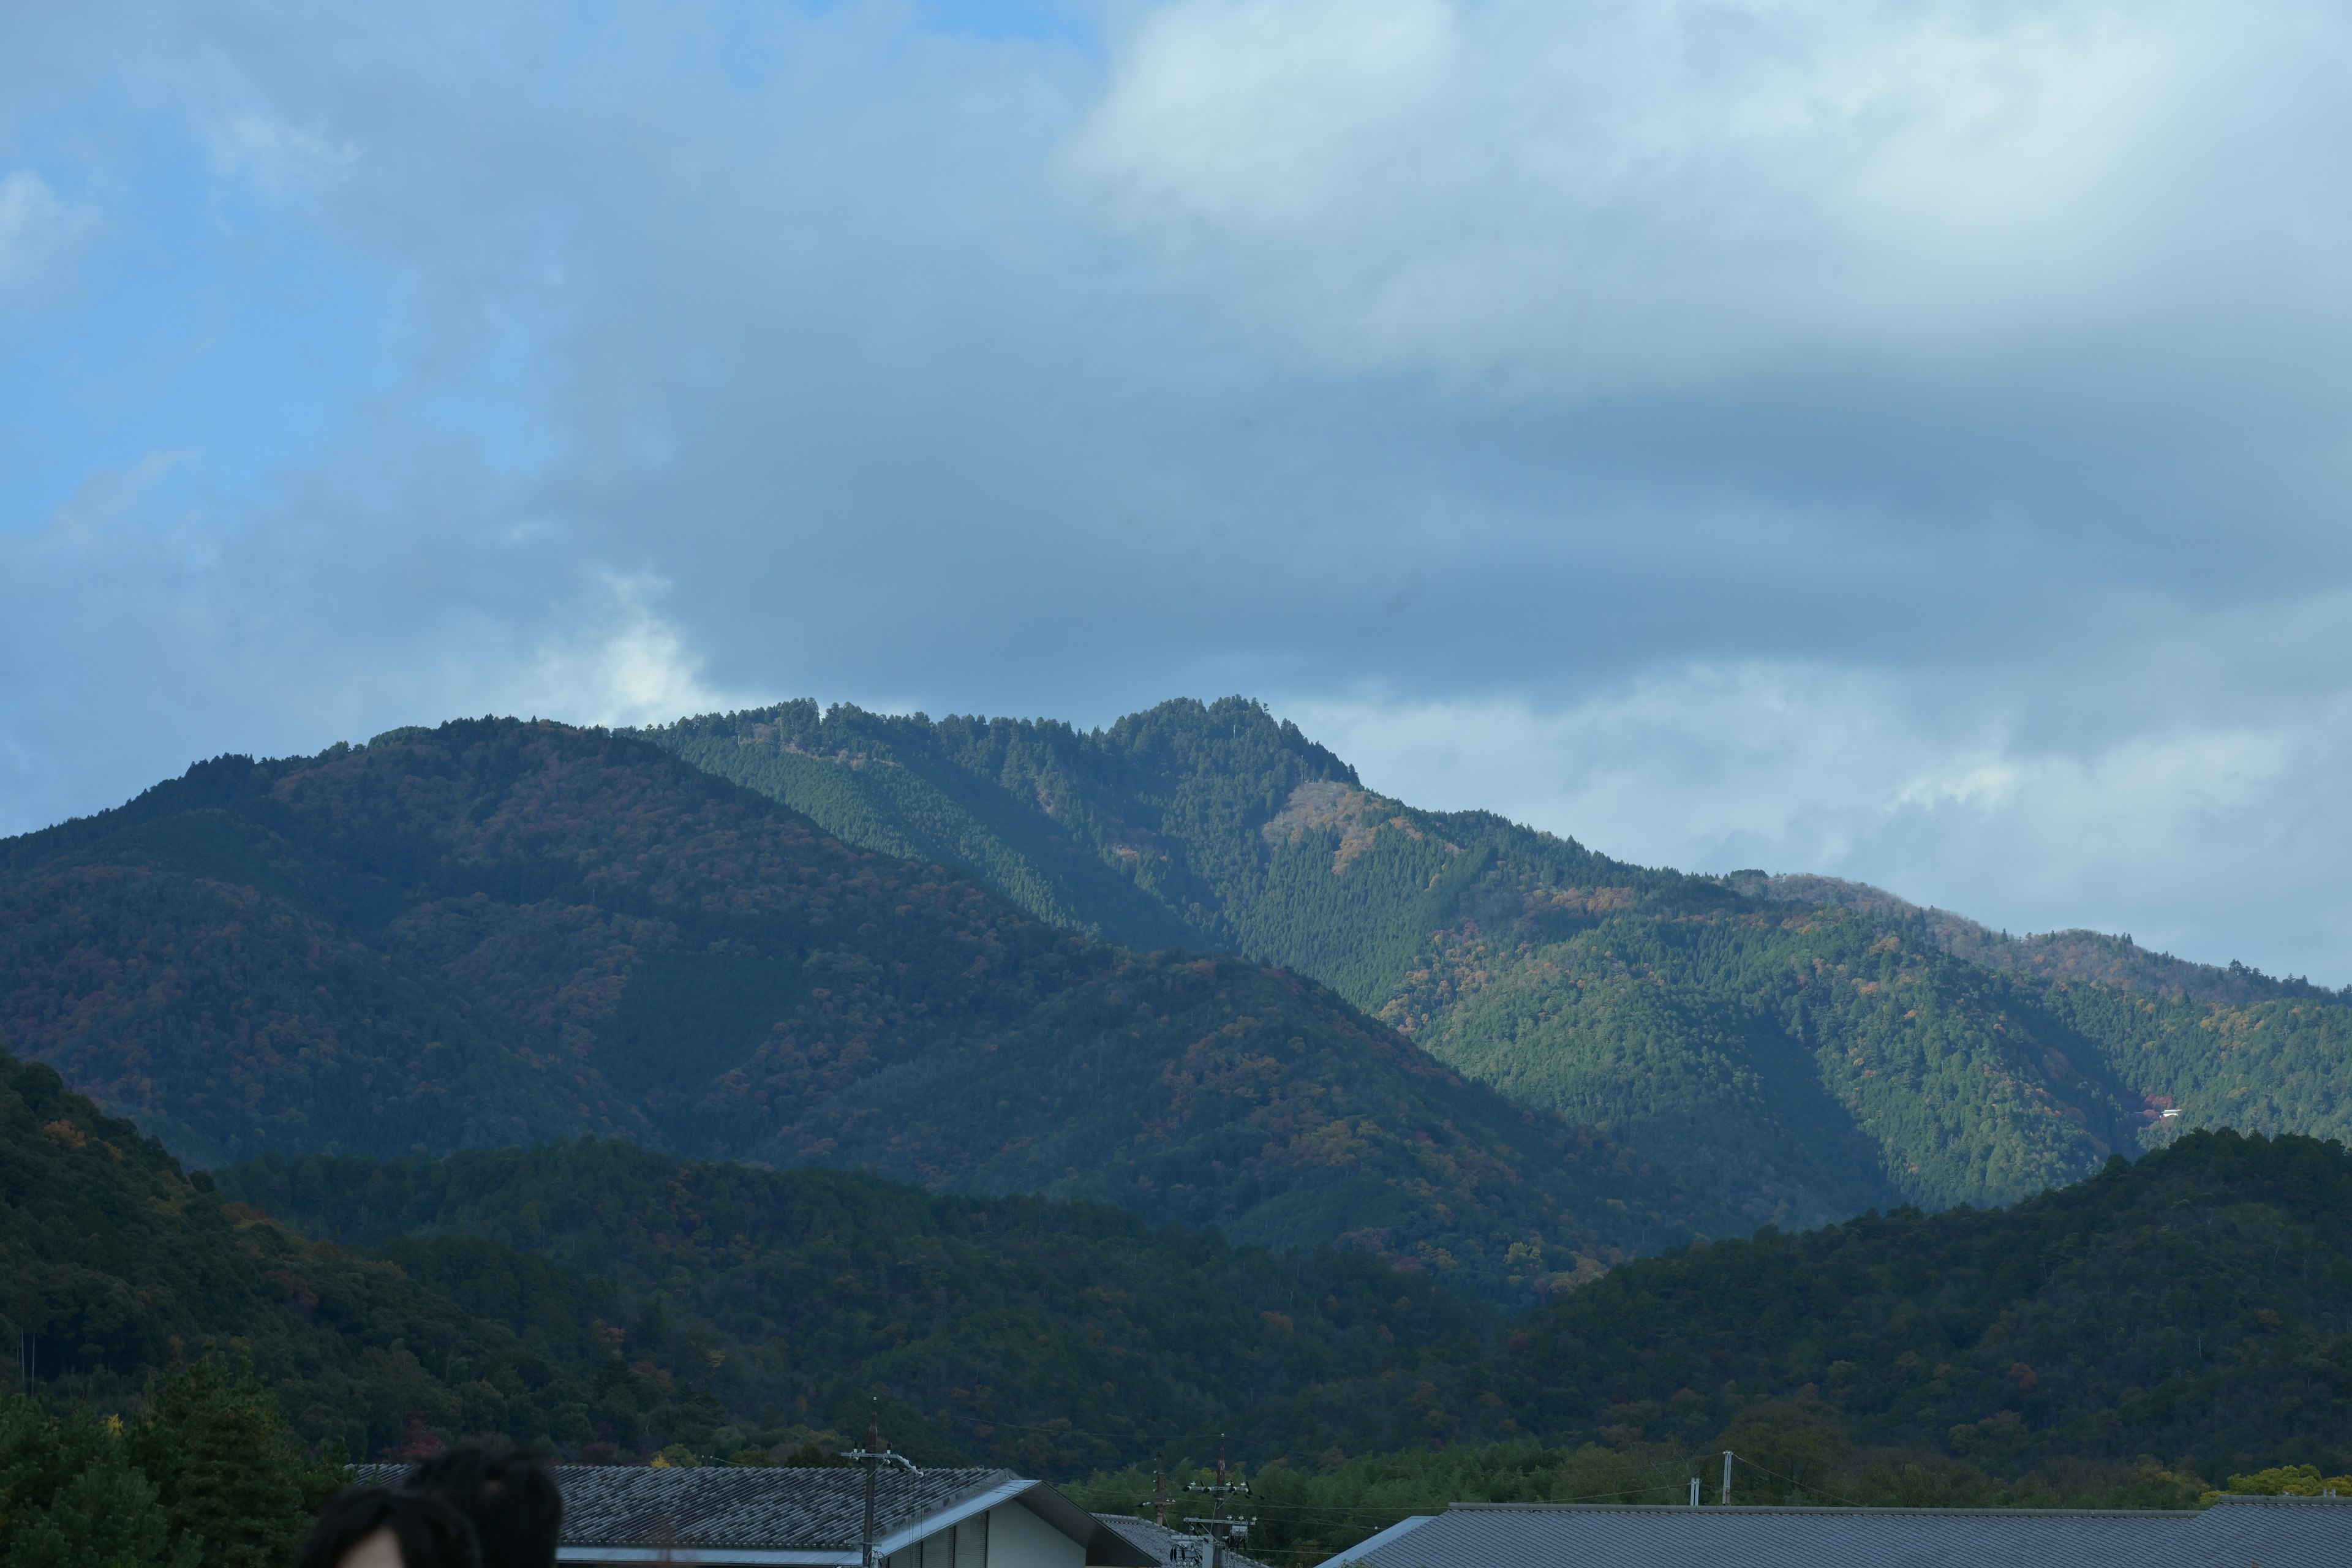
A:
[(1019, 1538)]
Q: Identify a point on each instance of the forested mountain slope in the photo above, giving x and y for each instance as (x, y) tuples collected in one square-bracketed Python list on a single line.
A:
[(2196, 1306), (498, 932), (609, 1301), (2117, 962), (1052, 1337), (612, 1301), (118, 1264), (1810, 1055)]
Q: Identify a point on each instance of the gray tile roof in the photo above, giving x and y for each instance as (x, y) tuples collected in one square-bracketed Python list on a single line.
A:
[(1588, 1535), (770, 1509), (2236, 1533), (729, 1514), (2268, 1532)]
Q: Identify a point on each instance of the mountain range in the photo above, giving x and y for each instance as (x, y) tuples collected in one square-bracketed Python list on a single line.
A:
[(1090, 1092), (1804, 1048), (1188, 964), (497, 933)]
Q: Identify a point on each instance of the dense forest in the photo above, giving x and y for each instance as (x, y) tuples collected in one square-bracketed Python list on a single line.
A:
[(1806, 1049), (115, 1265), (2195, 1306), (204, 1475), (2090, 956), (1053, 1337), (609, 1303), (497, 934), (2115, 1342)]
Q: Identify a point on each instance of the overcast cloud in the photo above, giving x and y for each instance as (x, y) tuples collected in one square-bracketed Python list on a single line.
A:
[(1907, 441)]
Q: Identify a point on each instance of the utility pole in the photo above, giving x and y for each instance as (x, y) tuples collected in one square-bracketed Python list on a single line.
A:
[(1219, 1525), (1160, 1492), (874, 1456), (1726, 1478)]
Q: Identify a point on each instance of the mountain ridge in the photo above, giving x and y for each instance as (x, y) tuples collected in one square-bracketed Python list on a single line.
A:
[(1743, 1027), (2075, 953), (495, 932)]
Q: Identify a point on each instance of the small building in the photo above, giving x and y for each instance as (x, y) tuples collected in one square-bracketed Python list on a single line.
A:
[(2236, 1533), (785, 1518)]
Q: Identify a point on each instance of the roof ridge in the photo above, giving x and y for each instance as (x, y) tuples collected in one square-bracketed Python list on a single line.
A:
[(1781, 1510)]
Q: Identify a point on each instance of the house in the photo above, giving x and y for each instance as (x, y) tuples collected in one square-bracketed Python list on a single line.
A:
[(2236, 1533), (761, 1517)]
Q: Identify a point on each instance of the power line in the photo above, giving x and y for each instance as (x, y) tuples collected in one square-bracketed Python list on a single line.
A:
[(1801, 1485), (1220, 1527)]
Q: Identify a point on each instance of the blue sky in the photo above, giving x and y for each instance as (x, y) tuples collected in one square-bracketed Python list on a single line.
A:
[(1903, 441)]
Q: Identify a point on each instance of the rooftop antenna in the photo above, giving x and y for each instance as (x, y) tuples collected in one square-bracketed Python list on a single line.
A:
[(874, 1456)]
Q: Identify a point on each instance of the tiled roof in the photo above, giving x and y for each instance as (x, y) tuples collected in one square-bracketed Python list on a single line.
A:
[(2268, 1532), (775, 1509), (1481, 1536), (2236, 1533), (781, 1517), (766, 1509)]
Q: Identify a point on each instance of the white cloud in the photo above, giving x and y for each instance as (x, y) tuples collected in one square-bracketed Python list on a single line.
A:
[(627, 666), (1626, 196), (1264, 117), (40, 232), (280, 158)]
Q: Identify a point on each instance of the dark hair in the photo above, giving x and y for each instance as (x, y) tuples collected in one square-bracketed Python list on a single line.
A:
[(511, 1502), (431, 1533)]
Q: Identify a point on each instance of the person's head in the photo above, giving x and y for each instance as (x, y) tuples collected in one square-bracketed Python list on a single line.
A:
[(511, 1502), (369, 1527)]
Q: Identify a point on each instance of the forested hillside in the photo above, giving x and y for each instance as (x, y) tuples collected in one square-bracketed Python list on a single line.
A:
[(1051, 1337), (497, 934), (609, 1302), (612, 1301), (1808, 1049), (2080, 955), (2196, 1306), (117, 1264)]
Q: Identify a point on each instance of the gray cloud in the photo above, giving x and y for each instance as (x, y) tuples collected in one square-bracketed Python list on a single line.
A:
[(1907, 442)]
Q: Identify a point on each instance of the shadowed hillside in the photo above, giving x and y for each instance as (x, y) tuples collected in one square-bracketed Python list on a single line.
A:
[(2197, 1305)]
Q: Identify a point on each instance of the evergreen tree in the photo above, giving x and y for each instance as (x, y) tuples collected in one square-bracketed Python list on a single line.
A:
[(71, 1497), (225, 1470)]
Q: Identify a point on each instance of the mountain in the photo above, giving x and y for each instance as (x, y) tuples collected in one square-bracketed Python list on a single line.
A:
[(2196, 1306), (500, 933), (1808, 1049)]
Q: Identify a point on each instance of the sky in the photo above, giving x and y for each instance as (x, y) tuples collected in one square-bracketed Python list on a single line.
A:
[(1909, 442)]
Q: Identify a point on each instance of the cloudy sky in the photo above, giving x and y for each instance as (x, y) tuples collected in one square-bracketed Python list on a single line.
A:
[(1905, 441)]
